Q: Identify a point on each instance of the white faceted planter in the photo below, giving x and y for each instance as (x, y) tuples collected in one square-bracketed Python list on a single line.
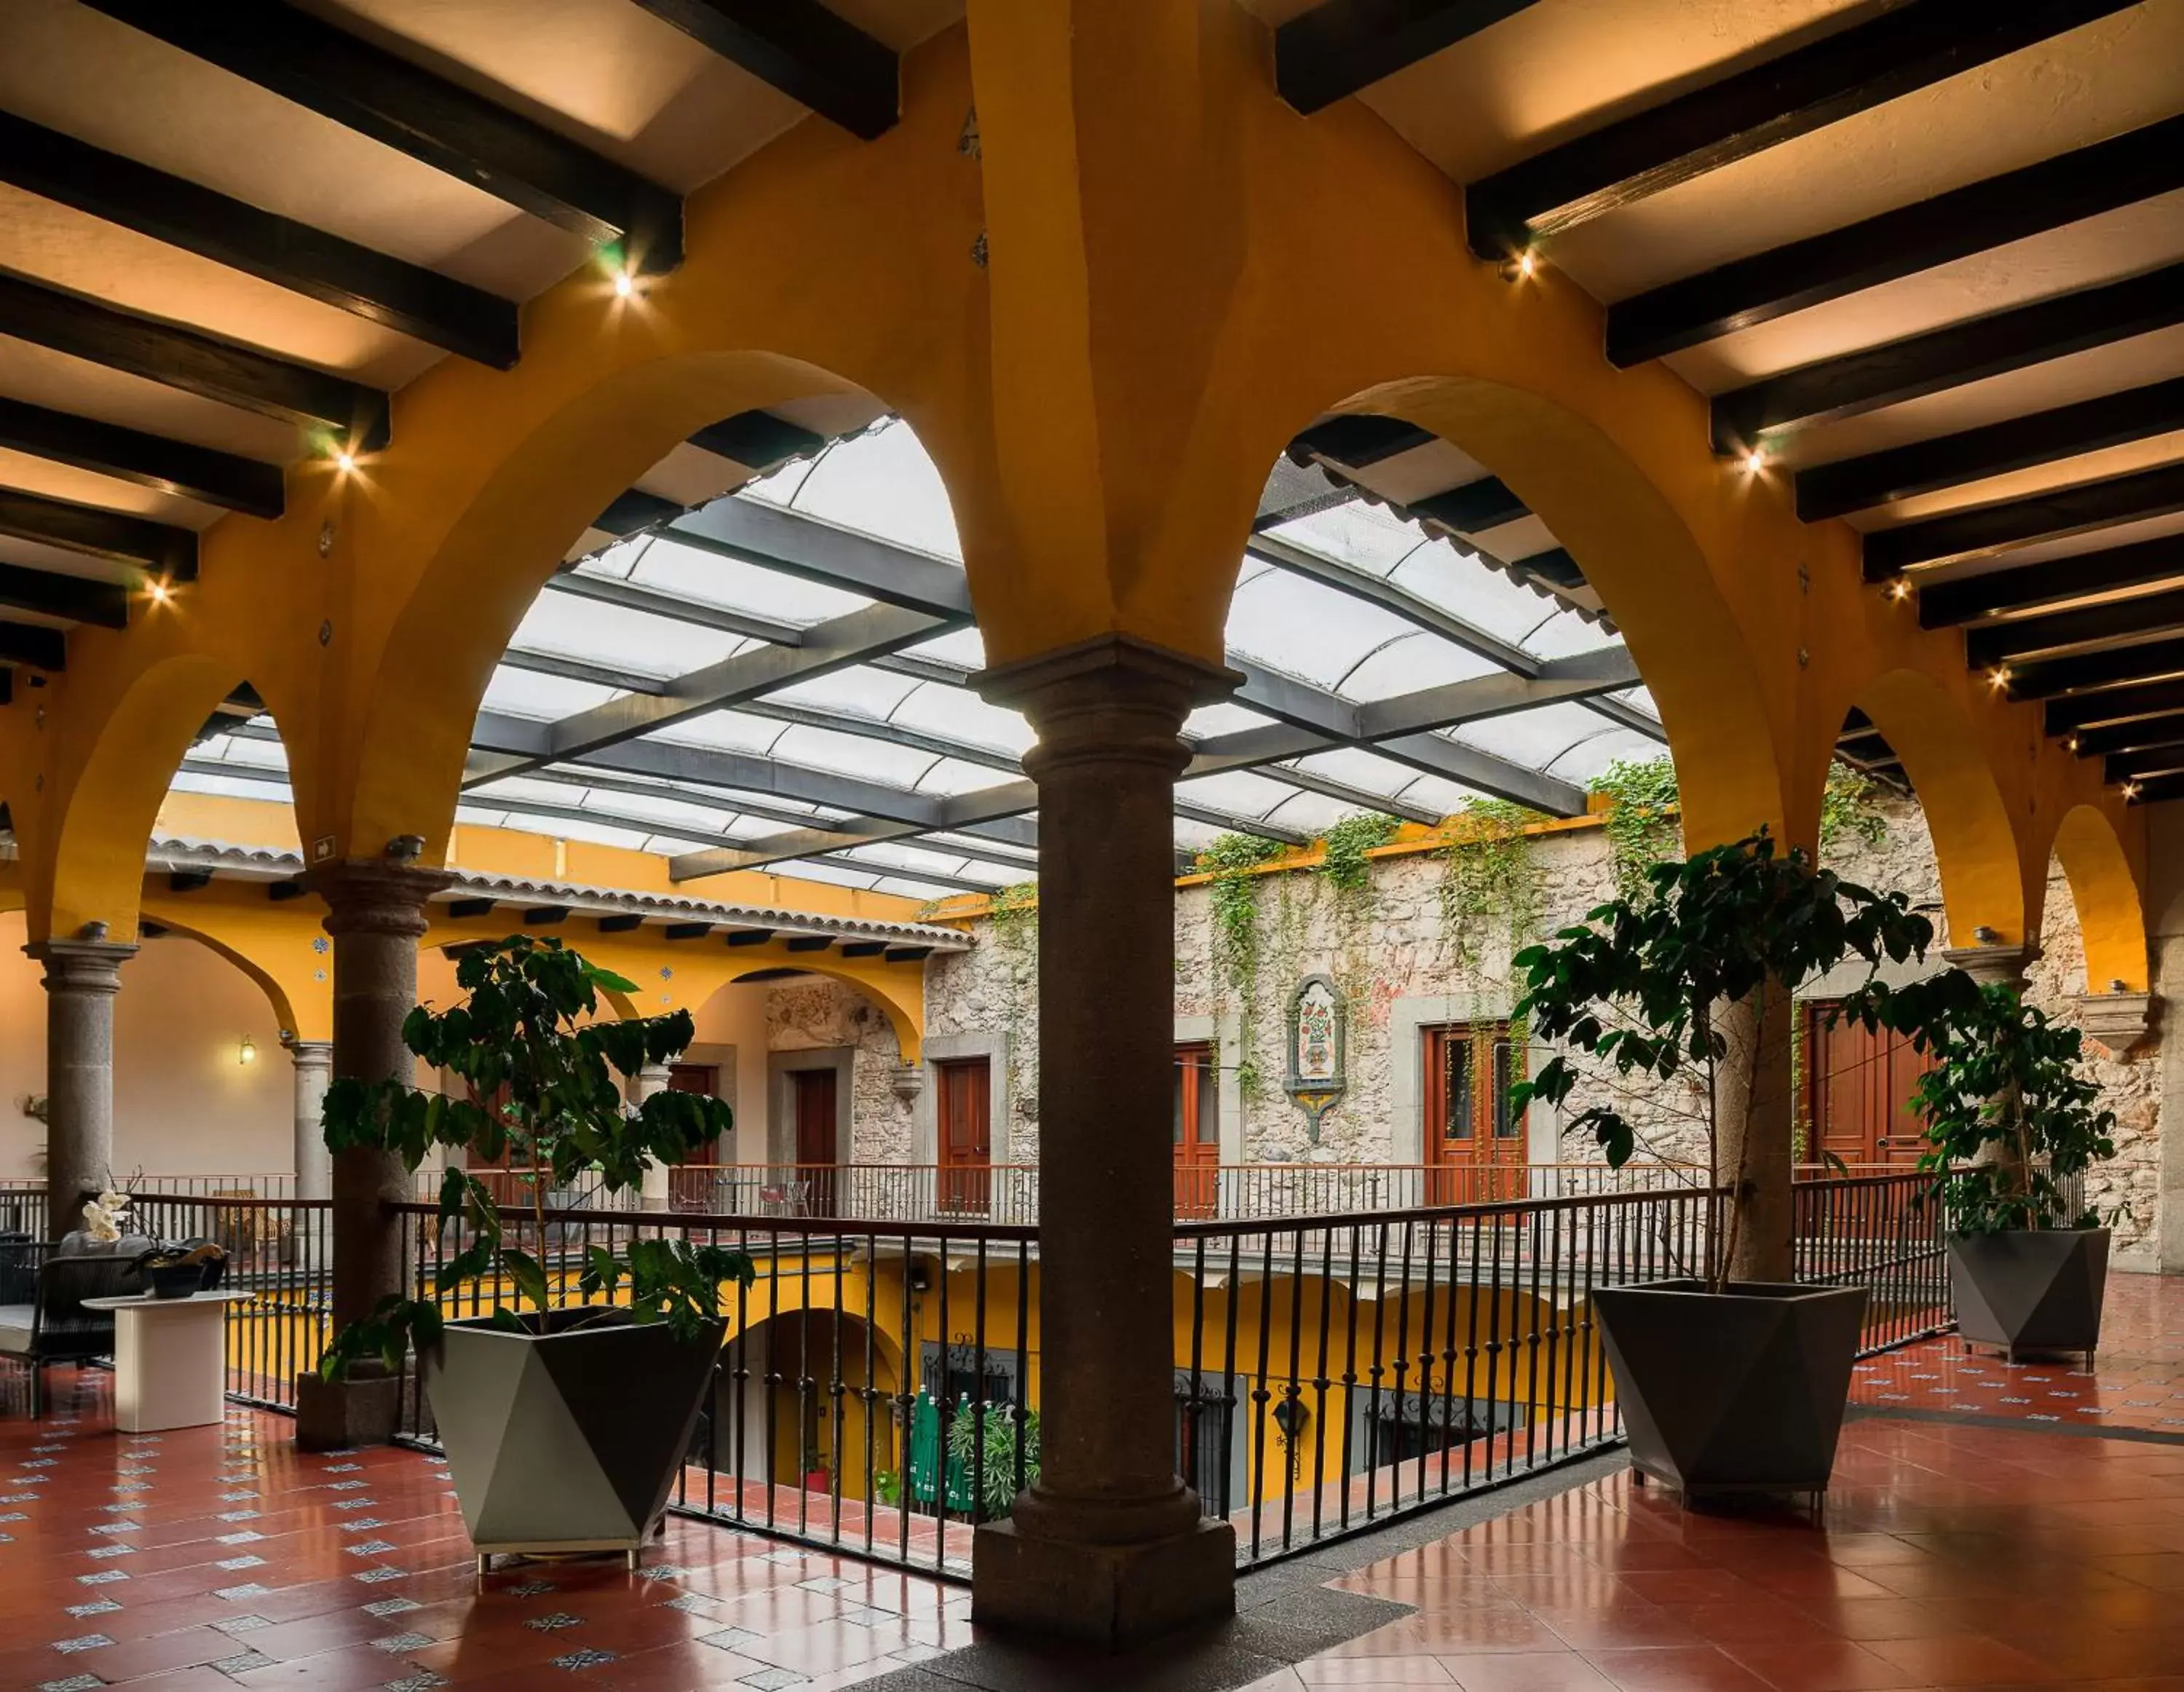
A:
[(568, 1441)]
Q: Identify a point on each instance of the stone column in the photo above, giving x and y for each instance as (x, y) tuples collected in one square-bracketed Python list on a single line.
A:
[(647, 1082), (376, 914), (314, 1060), (81, 978), (1108, 1547)]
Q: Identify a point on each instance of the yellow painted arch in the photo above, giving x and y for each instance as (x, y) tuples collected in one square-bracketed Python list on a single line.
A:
[(1975, 847), (2104, 888)]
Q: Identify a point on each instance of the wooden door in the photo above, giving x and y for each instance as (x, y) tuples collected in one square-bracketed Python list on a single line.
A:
[(1474, 1142), (816, 1104), (1859, 1087), (1197, 1130), (965, 1134), (704, 1079)]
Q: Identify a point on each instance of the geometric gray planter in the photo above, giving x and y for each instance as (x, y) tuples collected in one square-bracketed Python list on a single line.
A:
[(1739, 1391), (569, 1441), (2030, 1289)]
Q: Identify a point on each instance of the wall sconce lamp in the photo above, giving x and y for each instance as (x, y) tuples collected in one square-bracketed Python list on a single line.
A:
[(247, 1052), (1987, 937), (1290, 1416)]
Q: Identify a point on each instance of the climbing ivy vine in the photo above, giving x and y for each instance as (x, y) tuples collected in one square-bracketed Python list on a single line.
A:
[(1641, 821), (1233, 895), (1487, 871), (1345, 867)]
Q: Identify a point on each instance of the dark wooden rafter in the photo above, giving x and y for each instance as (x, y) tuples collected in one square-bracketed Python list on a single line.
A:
[(1342, 46), (2087, 625), (545, 916), (1992, 528), (686, 931), (280, 893), (160, 548), (100, 603), (191, 472), (908, 955), (2016, 443), (2155, 791), (2129, 737), (367, 88), (408, 297), (807, 943), (1358, 439), (1968, 351), (1894, 244), (1472, 508), (622, 923), (2075, 711), (188, 880), (7, 698), (1906, 46), (2136, 766), (2058, 580), (462, 910), (33, 645), (2118, 666), (749, 937), (816, 58), (863, 949), (633, 509), (196, 364)]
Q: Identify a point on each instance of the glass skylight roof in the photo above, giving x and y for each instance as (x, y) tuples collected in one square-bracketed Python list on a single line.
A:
[(891, 773)]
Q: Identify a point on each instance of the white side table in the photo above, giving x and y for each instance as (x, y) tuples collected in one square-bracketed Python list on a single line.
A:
[(170, 1360)]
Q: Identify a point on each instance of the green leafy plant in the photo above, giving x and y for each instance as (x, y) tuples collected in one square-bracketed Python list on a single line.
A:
[(1640, 821), (520, 1041), (1849, 808), (2011, 1114), (997, 1476), (1640, 986), (1487, 871), (1012, 915), (1345, 865)]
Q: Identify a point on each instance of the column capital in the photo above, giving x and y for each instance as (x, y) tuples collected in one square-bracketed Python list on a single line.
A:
[(312, 1053), (82, 965), (1112, 696), (1991, 965), (2119, 1020), (375, 895)]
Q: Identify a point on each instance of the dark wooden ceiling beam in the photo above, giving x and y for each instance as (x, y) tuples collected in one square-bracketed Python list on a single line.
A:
[(2053, 581), (2112, 705), (1894, 244), (2119, 666), (758, 439), (1968, 351), (407, 298), (1342, 46), (1474, 507), (2129, 737), (2154, 791), (816, 58), (1358, 439), (2067, 432), (33, 644), (1991, 528), (158, 548), (2137, 766), (190, 472), (2116, 620), (1908, 46), (364, 87), (196, 364), (100, 603)]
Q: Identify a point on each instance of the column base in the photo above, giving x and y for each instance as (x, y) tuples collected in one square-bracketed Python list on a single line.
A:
[(339, 1416), (1110, 1597)]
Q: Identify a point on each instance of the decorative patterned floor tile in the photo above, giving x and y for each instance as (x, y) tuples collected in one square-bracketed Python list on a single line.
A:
[(584, 1659)]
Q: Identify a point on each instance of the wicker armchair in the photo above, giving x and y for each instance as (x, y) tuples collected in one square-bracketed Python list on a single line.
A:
[(55, 1327)]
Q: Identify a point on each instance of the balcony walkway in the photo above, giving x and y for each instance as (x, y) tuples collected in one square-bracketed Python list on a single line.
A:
[(1966, 1545)]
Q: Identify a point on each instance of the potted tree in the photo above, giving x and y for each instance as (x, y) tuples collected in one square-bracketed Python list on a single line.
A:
[(2012, 1119), (564, 1422), (1731, 1377)]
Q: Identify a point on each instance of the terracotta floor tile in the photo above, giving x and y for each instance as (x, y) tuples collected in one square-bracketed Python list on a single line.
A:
[(1375, 1671), (1837, 1666), (1965, 1660), (1689, 1669), (1526, 1672)]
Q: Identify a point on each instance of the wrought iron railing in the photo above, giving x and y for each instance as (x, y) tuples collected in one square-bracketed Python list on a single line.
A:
[(878, 1390)]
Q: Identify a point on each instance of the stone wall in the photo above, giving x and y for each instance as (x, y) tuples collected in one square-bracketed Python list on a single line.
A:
[(816, 1013), (1396, 945)]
